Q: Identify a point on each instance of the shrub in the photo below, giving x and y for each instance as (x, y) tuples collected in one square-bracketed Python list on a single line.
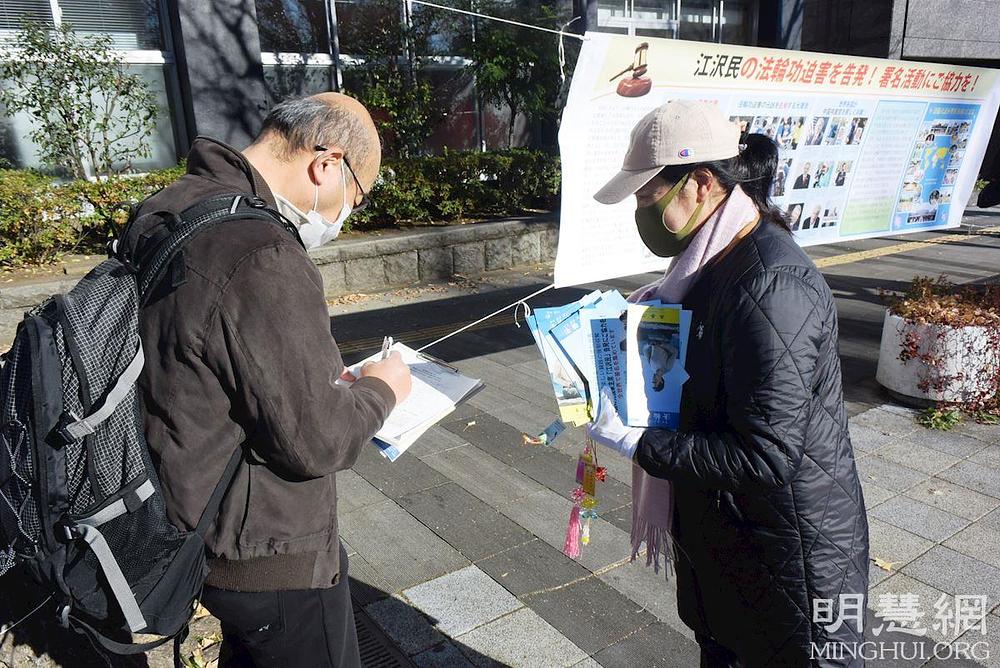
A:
[(108, 199), (460, 186), (40, 219), (36, 222), (938, 301)]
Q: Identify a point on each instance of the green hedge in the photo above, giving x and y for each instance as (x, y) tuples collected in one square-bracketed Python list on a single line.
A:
[(41, 219), (461, 186)]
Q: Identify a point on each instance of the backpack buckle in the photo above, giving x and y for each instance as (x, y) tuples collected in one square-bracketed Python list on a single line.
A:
[(60, 435), (66, 531)]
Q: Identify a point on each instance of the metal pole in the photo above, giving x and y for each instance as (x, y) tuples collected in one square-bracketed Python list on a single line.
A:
[(334, 44), (722, 14), (477, 104), (407, 9)]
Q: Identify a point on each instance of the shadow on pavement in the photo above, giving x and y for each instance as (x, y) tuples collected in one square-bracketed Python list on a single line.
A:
[(42, 633), (403, 320), (377, 649), (42, 636)]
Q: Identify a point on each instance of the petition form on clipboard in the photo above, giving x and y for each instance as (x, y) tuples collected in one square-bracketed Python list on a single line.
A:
[(437, 389)]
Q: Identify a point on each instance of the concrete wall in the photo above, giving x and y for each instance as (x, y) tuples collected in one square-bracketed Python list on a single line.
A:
[(951, 30), (934, 30), (855, 27), (217, 46)]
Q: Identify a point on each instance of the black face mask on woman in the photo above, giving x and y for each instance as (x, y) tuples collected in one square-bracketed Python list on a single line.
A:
[(653, 232)]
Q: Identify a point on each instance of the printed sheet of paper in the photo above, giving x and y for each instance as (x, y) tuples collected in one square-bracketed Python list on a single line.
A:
[(867, 146), (609, 341), (655, 352)]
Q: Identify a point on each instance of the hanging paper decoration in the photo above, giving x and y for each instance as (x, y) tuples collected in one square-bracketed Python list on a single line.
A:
[(584, 498)]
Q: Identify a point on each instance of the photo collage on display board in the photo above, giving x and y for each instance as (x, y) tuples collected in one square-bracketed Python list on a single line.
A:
[(818, 146), (929, 180)]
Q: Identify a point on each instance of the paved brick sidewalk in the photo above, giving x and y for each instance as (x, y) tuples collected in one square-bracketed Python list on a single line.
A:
[(458, 544)]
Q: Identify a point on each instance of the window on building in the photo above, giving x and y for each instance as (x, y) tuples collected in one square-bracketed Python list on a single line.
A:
[(136, 28), (368, 26), (12, 12), (654, 18), (738, 26), (699, 20), (439, 32), (132, 24), (295, 47), (726, 21), (293, 26)]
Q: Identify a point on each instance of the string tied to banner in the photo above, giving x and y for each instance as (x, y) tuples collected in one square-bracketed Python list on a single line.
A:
[(561, 32)]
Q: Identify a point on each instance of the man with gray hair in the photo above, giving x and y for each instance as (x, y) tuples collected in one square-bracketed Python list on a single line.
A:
[(240, 357)]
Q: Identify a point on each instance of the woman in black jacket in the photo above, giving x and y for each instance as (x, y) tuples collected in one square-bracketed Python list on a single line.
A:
[(769, 521)]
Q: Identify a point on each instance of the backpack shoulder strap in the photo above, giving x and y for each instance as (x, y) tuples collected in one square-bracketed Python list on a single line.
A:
[(198, 218)]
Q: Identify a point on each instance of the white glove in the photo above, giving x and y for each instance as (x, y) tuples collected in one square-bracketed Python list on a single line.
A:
[(609, 430)]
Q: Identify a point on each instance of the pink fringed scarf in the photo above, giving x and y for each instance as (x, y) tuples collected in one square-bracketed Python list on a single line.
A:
[(653, 498)]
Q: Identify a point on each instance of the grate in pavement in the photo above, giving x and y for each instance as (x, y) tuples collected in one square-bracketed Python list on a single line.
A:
[(377, 651)]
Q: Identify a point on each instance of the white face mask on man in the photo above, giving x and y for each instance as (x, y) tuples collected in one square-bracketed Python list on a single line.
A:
[(314, 229)]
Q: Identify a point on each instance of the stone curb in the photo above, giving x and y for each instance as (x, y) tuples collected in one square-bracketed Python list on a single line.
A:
[(373, 265), (405, 258)]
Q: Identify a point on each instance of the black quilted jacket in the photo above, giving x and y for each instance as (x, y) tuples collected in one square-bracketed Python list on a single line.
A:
[(769, 511)]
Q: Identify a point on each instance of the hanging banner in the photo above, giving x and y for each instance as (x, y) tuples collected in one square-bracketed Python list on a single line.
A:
[(868, 147)]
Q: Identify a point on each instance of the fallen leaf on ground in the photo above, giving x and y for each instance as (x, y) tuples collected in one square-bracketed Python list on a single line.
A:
[(886, 566)]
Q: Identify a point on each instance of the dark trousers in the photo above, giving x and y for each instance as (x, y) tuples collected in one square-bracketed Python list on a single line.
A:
[(714, 655), (311, 627)]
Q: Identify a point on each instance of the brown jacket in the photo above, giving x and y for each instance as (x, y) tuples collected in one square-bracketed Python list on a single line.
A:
[(239, 353)]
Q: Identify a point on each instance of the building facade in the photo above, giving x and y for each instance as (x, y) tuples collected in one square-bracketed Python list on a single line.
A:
[(216, 66)]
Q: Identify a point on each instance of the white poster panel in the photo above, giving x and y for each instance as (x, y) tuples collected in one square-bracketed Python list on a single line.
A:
[(867, 147)]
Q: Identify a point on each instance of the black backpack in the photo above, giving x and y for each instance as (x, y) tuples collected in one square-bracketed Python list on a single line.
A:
[(80, 501)]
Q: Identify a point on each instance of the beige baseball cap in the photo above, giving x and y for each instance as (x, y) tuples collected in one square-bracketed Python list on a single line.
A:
[(679, 132)]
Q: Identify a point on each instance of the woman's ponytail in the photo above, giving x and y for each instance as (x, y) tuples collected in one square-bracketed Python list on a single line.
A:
[(755, 168)]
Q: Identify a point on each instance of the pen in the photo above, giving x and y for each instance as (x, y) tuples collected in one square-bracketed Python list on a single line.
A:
[(386, 345), (431, 358)]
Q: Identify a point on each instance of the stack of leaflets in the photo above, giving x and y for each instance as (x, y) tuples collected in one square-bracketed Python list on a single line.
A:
[(635, 351), (437, 388)]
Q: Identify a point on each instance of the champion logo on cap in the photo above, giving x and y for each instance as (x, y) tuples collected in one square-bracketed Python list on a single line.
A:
[(685, 153)]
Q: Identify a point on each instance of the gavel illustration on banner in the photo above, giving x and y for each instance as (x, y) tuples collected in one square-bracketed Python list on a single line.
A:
[(638, 85)]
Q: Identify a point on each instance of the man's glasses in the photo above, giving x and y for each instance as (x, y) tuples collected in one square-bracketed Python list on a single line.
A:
[(365, 201)]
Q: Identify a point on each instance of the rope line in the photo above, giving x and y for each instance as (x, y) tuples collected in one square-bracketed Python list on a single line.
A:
[(497, 18), (7, 629), (523, 300)]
